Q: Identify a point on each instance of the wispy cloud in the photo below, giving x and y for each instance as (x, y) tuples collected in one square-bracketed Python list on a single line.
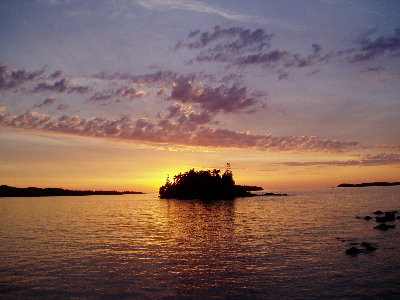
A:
[(370, 48), (60, 86), (366, 160), (238, 46), (201, 7)]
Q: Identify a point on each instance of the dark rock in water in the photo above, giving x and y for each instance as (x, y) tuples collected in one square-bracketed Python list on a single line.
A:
[(384, 227), (367, 218), (381, 219), (398, 217), (273, 194), (390, 216), (369, 247), (378, 212), (353, 251), (391, 212)]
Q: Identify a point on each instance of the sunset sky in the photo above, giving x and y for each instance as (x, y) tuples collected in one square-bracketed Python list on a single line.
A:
[(116, 94)]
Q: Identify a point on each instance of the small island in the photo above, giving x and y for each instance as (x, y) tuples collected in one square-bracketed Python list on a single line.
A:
[(368, 184), (205, 185), (9, 191)]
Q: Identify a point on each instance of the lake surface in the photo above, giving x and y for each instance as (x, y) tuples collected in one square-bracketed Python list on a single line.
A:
[(142, 247)]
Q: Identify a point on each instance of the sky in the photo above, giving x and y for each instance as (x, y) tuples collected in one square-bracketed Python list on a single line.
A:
[(119, 94)]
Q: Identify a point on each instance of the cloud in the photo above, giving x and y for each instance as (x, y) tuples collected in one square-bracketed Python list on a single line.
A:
[(283, 75), (389, 147), (151, 78), (231, 99), (128, 92), (46, 102), (60, 86), (173, 132), (185, 116), (62, 106), (369, 49), (55, 74), (200, 7), (238, 46), (10, 78), (228, 138), (161, 91), (233, 39), (366, 160)]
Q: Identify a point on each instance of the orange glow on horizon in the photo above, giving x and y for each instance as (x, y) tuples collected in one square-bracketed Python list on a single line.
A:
[(30, 159)]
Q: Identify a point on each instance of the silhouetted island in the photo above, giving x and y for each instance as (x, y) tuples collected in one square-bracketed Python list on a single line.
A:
[(205, 185), (368, 184), (9, 191)]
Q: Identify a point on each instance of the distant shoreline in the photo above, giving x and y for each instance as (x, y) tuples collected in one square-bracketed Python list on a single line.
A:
[(368, 184), (9, 191)]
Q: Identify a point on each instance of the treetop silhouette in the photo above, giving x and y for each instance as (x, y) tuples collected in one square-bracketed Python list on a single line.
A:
[(204, 185)]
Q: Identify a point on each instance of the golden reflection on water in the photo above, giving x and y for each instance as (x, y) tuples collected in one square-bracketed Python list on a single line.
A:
[(139, 246)]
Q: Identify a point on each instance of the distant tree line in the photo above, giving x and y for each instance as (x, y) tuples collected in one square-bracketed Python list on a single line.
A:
[(364, 184), (9, 191)]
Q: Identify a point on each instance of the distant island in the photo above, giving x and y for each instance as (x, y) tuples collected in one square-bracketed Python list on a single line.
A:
[(368, 184), (205, 185), (9, 191)]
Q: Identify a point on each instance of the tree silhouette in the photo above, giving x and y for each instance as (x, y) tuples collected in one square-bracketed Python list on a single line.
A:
[(203, 185)]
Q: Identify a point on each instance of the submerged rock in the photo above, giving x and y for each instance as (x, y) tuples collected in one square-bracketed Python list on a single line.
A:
[(367, 218), (381, 219), (353, 251), (273, 194), (369, 247), (384, 227), (378, 212), (390, 216)]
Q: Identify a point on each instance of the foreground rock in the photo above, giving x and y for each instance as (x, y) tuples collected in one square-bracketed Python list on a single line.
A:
[(367, 248)]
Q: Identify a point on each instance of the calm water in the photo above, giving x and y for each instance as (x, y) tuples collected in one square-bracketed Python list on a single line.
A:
[(142, 247)]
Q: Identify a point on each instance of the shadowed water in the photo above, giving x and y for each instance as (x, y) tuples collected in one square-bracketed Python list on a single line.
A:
[(142, 247)]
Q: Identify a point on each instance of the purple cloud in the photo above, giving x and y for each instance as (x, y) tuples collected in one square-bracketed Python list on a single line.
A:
[(230, 39), (371, 48), (46, 102), (243, 47), (221, 98), (60, 86), (62, 106), (157, 77), (121, 92), (10, 78)]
